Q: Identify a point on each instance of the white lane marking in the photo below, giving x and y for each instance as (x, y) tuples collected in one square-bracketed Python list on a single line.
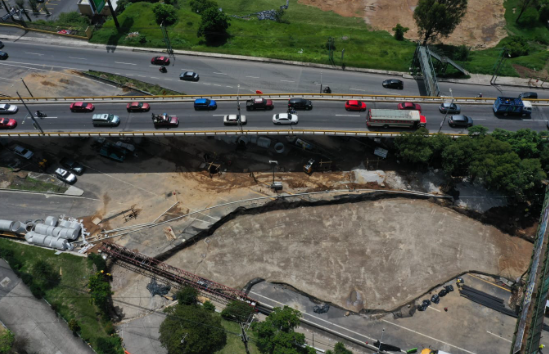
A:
[(229, 86), (77, 58), (120, 62), (216, 84), (34, 53), (152, 77), (318, 318), (505, 339), (424, 335), (118, 74), (206, 83), (347, 115), (287, 80), (218, 115), (48, 117), (432, 308), (355, 89), (141, 75), (219, 73), (253, 77)]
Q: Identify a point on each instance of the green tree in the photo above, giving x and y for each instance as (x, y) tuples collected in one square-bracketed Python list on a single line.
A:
[(516, 46), (187, 296), (457, 157), (544, 11), (529, 177), (437, 143), (109, 345), (44, 275), (414, 147), (339, 348), (530, 18), (209, 306), (477, 130), (525, 142), (276, 334), (237, 311), (214, 25), (524, 4), (399, 31), (100, 291), (202, 330), (98, 261), (199, 6), (164, 13), (74, 326), (6, 341), (436, 18)]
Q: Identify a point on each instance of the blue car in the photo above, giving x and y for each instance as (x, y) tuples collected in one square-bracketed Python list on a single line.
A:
[(204, 103)]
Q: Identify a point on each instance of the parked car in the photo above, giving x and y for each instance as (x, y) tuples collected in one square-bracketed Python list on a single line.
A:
[(189, 76), (3, 55), (21, 151), (138, 107), (8, 108), (204, 103), (72, 165), (393, 83), (285, 118), (300, 103), (448, 107), (443, 293), (528, 95), (81, 107), (232, 119), (161, 60), (7, 123), (435, 299), (65, 175), (409, 106), (460, 121), (355, 105)]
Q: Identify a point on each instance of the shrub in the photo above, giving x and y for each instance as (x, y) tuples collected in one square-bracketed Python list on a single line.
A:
[(399, 32), (26, 278), (544, 12), (529, 18), (164, 14), (237, 311), (516, 46), (98, 261), (108, 345), (74, 326), (462, 53), (199, 6), (72, 19), (208, 306), (109, 328), (37, 291), (6, 253)]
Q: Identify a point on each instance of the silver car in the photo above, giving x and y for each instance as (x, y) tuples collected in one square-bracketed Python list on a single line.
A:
[(285, 118), (8, 108), (232, 119), (24, 153), (65, 175), (448, 107)]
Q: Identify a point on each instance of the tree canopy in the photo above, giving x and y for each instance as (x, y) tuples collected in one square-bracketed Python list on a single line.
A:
[(214, 25), (237, 311), (438, 18), (276, 334), (339, 348), (191, 329), (187, 296)]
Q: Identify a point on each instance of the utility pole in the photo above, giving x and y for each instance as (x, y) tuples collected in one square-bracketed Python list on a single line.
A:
[(35, 123), (27, 87), (446, 115), (114, 16), (244, 337), (502, 57), (320, 80), (380, 341), (166, 38), (8, 10)]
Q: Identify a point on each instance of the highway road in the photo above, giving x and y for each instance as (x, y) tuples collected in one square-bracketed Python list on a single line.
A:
[(325, 115)]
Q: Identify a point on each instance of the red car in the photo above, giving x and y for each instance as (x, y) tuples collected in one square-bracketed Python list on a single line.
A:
[(82, 107), (164, 120), (138, 107), (160, 61), (7, 123), (355, 106), (409, 106)]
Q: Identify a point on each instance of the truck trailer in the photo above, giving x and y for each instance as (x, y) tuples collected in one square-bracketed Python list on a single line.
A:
[(392, 118), (512, 106)]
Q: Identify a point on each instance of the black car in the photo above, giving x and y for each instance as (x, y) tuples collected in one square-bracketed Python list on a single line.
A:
[(460, 121), (72, 165), (426, 303), (443, 293), (393, 83), (3, 55), (300, 103), (435, 299), (448, 107), (189, 76), (1, 45), (529, 95), (422, 308)]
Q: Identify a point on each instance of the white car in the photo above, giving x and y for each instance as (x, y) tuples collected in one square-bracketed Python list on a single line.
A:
[(65, 175), (21, 151), (8, 108), (232, 119), (285, 118)]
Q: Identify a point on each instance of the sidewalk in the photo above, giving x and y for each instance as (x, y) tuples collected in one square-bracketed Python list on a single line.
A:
[(476, 79)]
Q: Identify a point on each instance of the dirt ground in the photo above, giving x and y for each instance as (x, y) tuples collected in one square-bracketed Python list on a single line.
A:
[(367, 255), (483, 26)]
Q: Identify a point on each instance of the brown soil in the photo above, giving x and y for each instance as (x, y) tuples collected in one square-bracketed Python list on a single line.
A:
[(483, 26)]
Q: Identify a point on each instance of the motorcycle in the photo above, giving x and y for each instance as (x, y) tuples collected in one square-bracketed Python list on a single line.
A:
[(40, 114), (327, 89), (163, 69), (291, 111)]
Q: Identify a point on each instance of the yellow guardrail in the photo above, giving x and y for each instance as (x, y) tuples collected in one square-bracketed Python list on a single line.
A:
[(212, 132)]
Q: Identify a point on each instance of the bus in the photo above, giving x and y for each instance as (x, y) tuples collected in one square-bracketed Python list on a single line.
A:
[(392, 118)]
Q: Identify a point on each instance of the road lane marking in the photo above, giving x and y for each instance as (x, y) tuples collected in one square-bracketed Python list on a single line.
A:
[(216, 84), (347, 115), (205, 83), (432, 308), (253, 77), (168, 79), (48, 117), (495, 335), (229, 86), (424, 335), (287, 80), (219, 73), (152, 77), (77, 58), (120, 62), (218, 115), (355, 89), (141, 75), (34, 53)]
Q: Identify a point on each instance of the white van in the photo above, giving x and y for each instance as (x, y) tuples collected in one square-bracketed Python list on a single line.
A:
[(105, 120)]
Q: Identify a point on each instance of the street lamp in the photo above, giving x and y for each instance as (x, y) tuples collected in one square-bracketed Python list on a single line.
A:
[(276, 186), (380, 341), (238, 106), (446, 115)]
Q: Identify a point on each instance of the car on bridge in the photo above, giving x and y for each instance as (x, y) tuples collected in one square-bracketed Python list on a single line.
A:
[(162, 60), (529, 95), (393, 83), (1, 45), (7, 123), (300, 103), (409, 106), (285, 118), (355, 105), (8, 108), (448, 107), (81, 107), (204, 104), (105, 120), (3, 55), (72, 165), (164, 120), (138, 107), (259, 103), (460, 121), (189, 76), (65, 175), (233, 119)]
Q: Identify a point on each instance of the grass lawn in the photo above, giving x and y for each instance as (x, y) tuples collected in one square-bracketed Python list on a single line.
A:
[(234, 343), (70, 297), (31, 184)]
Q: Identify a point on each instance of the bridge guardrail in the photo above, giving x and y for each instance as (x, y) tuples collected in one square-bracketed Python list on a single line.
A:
[(242, 97), (212, 133)]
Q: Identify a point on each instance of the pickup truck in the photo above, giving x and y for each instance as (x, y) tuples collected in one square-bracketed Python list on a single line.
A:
[(514, 106), (259, 103), (164, 120)]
